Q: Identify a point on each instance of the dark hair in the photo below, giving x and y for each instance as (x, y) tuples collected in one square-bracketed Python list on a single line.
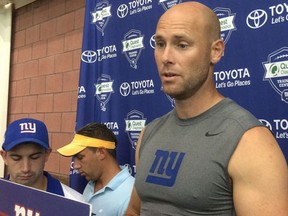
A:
[(99, 131)]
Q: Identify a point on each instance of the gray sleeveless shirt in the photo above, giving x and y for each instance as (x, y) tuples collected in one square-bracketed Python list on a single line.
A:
[(183, 164)]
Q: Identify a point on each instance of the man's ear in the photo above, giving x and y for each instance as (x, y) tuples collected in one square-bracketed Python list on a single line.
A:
[(47, 154), (101, 153), (4, 156), (217, 51)]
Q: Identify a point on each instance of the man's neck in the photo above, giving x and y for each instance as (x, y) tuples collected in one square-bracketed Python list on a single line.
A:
[(193, 107), (107, 176), (42, 183)]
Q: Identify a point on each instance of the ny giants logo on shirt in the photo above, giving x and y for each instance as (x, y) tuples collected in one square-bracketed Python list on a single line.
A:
[(165, 168)]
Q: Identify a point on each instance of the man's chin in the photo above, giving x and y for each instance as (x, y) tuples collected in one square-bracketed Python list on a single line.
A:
[(171, 92), (87, 178), (25, 182)]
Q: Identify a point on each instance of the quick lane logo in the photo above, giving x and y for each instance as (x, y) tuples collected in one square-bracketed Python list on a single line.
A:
[(226, 19), (132, 46), (101, 15), (135, 122), (167, 4), (104, 89), (276, 72), (165, 168)]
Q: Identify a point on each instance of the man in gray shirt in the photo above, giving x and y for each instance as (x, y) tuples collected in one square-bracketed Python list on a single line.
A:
[(208, 156)]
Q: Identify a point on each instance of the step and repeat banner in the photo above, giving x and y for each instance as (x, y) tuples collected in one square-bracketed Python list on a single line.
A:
[(119, 84)]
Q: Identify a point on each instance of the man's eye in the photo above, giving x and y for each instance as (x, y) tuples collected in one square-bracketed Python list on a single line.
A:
[(182, 46), (36, 156), (79, 157), (15, 158), (159, 44)]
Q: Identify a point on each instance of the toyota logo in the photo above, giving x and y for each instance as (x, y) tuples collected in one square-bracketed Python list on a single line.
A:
[(256, 18), (152, 41), (125, 89), (89, 56), (266, 123), (122, 11)]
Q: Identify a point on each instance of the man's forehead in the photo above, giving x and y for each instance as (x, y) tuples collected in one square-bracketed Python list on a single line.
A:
[(82, 153), (27, 146)]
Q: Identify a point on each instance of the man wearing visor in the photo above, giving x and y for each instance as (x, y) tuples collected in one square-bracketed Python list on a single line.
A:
[(94, 151)]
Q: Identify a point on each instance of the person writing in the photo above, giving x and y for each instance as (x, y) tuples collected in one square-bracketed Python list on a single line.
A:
[(109, 187), (25, 151), (208, 156)]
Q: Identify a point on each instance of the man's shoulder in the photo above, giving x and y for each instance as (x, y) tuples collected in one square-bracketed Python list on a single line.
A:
[(159, 120), (229, 110)]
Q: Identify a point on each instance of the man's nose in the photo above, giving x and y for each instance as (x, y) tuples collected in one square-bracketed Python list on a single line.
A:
[(76, 164), (26, 165), (167, 55)]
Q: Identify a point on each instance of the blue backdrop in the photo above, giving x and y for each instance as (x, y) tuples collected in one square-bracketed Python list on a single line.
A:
[(119, 84)]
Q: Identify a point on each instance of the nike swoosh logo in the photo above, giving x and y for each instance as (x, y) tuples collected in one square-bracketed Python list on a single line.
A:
[(208, 134)]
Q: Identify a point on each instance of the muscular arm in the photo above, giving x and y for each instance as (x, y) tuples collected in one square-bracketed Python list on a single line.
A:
[(135, 203), (259, 175)]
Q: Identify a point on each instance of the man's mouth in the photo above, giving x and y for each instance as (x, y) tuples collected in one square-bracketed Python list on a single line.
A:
[(169, 74), (25, 178)]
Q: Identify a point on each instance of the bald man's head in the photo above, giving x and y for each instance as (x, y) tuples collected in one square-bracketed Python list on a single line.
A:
[(197, 14)]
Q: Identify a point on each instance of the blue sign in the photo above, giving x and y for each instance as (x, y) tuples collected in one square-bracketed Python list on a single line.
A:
[(20, 200)]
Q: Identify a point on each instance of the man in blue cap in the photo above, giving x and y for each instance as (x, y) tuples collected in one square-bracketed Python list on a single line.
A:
[(25, 151)]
